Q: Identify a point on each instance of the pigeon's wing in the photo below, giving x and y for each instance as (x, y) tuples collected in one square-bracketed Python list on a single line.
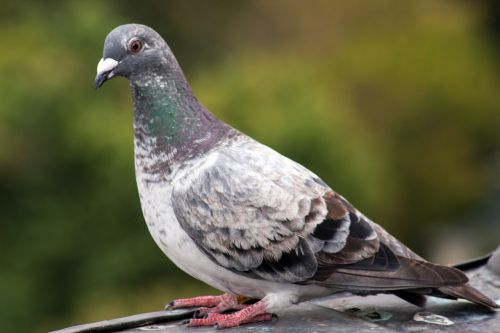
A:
[(245, 205), (262, 215)]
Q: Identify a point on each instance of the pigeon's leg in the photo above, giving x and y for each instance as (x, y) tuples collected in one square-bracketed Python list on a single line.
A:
[(224, 302), (227, 302), (252, 313)]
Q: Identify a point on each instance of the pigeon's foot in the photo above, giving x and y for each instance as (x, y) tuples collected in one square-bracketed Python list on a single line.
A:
[(249, 314), (227, 302), (208, 304)]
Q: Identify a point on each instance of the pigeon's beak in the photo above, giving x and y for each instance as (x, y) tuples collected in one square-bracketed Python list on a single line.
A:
[(105, 71)]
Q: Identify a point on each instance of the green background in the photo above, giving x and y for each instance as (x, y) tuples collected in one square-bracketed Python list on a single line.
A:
[(395, 104)]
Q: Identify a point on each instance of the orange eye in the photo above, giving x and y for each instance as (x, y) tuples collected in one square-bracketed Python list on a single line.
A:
[(135, 45)]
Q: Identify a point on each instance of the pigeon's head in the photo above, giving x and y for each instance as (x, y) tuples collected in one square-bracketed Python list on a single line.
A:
[(129, 50)]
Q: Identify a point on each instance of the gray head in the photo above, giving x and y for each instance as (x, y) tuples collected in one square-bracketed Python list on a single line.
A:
[(131, 50)]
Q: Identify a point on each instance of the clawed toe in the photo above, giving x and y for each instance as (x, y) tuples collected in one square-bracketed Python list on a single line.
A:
[(213, 311), (249, 314), (208, 304), (203, 312), (226, 320), (203, 301)]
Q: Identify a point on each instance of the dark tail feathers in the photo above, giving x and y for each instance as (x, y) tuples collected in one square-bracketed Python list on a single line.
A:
[(469, 293), (417, 296)]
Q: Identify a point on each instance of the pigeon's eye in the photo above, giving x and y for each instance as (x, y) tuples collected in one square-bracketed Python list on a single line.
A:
[(135, 45)]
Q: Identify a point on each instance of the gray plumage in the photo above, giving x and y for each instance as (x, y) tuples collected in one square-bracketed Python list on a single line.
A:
[(244, 203), (240, 216)]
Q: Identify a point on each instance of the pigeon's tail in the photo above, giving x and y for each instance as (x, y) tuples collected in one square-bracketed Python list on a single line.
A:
[(465, 291), (469, 293)]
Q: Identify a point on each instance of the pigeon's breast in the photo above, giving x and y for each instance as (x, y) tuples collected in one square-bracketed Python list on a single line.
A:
[(155, 194), (180, 248)]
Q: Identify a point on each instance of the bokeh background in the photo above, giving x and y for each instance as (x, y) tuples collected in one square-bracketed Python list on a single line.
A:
[(396, 104)]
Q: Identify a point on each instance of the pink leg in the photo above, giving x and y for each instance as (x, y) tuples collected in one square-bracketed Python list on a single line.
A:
[(205, 301), (259, 318), (226, 302), (252, 313)]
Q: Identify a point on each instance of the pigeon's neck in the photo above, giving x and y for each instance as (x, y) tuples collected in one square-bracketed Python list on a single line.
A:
[(170, 124)]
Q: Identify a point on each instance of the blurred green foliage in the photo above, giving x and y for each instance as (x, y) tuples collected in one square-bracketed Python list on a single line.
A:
[(395, 104)]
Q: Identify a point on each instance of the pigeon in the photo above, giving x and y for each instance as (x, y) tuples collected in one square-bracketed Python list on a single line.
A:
[(243, 218)]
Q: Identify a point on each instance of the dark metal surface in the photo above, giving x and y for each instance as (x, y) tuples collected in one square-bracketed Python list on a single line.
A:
[(120, 324), (379, 313), (473, 263)]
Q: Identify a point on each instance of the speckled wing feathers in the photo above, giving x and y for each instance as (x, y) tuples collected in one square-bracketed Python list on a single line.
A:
[(262, 215), (244, 204)]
